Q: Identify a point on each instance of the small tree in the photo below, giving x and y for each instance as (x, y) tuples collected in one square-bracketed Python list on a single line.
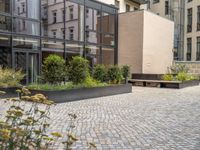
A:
[(99, 73), (125, 72), (54, 69), (114, 74), (78, 69)]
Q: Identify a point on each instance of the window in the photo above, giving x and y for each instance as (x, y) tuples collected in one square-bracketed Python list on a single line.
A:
[(87, 13), (117, 3), (156, 1), (71, 13), (87, 33), (166, 7), (23, 25), (128, 8), (18, 10), (5, 6), (63, 13), (198, 18), (71, 33), (54, 34), (5, 23), (189, 20), (189, 49), (23, 8), (63, 33), (54, 17), (198, 49)]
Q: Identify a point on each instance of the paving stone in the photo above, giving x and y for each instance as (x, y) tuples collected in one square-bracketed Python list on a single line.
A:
[(148, 118)]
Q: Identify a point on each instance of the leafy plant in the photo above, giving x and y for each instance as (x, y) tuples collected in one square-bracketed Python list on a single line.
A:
[(24, 126), (99, 73), (114, 74), (10, 77), (168, 77), (125, 72), (54, 70), (89, 82), (78, 70), (182, 76), (179, 68)]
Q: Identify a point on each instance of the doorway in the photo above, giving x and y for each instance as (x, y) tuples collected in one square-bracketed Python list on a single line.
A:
[(28, 62)]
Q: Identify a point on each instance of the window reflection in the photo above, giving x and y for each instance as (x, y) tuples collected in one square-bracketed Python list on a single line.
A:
[(108, 56), (33, 9), (26, 43), (108, 23), (74, 49), (5, 6), (52, 45), (23, 26), (5, 51), (93, 54), (20, 7), (5, 23)]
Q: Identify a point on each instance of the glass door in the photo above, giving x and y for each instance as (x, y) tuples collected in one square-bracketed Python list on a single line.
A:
[(20, 64), (33, 67), (29, 64)]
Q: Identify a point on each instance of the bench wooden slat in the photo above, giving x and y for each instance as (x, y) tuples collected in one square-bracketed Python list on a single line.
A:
[(153, 81)]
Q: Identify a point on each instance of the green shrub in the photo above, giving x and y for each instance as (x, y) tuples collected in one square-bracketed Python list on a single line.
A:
[(179, 68), (78, 69), (54, 69), (182, 76), (114, 74), (168, 77), (90, 82), (186, 77), (10, 77), (99, 73), (125, 71)]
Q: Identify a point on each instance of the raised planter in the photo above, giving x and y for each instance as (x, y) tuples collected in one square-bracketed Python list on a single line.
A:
[(10, 92), (181, 85), (84, 93)]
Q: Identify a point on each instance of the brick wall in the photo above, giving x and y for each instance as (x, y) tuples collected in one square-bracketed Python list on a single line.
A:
[(193, 66)]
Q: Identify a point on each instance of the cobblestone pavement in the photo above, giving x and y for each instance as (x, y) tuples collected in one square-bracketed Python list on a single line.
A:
[(148, 118)]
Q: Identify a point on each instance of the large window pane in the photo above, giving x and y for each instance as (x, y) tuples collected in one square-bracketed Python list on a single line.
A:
[(93, 19), (5, 51), (5, 6), (33, 9), (93, 54), (108, 23), (53, 19), (5, 40), (92, 37), (108, 39), (52, 45), (20, 8), (108, 56), (26, 43), (74, 49), (26, 27), (74, 21), (5, 23)]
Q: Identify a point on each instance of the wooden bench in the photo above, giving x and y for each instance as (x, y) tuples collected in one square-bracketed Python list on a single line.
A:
[(160, 83)]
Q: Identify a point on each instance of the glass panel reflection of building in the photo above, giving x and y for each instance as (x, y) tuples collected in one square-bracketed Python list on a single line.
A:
[(37, 28)]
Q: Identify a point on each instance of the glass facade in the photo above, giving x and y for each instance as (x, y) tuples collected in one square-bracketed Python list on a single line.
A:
[(30, 30)]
